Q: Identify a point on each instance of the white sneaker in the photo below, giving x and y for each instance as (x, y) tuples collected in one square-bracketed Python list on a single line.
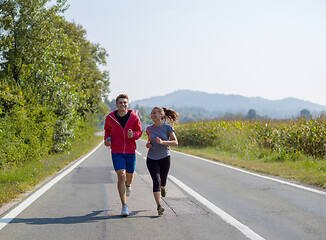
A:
[(124, 211), (128, 191)]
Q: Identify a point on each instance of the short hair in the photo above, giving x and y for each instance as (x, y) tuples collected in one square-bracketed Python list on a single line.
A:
[(121, 96)]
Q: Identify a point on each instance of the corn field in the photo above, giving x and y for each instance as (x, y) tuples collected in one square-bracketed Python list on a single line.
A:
[(300, 136)]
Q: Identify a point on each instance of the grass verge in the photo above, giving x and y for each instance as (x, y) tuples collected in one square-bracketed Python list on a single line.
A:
[(20, 179)]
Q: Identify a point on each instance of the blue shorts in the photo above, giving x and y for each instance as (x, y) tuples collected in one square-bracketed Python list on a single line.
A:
[(124, 161)]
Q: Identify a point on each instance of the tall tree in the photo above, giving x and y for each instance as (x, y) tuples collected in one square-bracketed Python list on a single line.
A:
[(48, 67), (32, 45), (305, 113), (252, 114), (91, 83)]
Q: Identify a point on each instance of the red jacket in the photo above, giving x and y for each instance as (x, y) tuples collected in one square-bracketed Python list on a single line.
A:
[(120, 143)]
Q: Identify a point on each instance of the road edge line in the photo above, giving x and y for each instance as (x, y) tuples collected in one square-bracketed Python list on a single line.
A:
[(225, 216), (255, 174), (28, 201)]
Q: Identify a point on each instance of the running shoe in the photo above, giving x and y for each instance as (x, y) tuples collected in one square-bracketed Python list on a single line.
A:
[(128, 191), (124, 211), (160, 210), (163, 192)]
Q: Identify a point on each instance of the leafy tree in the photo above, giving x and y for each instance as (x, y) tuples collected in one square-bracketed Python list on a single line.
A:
[(251, 114), (111, 104), (234, 116), (145, 116), (33, 51), (51, 85), (91, 84), (305, 113)]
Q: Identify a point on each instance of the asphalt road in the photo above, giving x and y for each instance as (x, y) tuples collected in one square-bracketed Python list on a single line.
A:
[(204, 201)]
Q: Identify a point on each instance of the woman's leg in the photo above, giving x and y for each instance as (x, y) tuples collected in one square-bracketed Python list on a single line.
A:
[(164, 170), (154, 170)]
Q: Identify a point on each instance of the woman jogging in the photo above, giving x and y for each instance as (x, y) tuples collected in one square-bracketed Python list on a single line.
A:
[(160, 137)]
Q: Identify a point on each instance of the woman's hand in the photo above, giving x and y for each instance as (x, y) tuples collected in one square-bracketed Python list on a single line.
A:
[(158, 140), (148, 144)]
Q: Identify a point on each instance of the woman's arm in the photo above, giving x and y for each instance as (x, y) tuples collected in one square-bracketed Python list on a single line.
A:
[(148, 143), (172, 142)]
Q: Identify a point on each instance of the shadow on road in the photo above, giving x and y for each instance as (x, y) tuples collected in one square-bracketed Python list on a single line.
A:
[(95, 216)]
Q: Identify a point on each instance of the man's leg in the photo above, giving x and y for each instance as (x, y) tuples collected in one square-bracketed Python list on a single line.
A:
[(130, 169), (130, 178), (119, 164), (122, 185)]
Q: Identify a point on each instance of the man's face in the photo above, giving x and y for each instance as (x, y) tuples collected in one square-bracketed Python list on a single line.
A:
[(122, 104)]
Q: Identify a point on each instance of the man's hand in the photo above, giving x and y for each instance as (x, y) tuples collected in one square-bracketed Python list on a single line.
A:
[(130, 133), (107, 142)]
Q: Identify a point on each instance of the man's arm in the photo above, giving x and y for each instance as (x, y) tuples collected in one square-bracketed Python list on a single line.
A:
[(137, 131), (107, 133)]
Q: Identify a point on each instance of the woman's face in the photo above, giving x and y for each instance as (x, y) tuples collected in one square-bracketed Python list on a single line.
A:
[(156, 115)]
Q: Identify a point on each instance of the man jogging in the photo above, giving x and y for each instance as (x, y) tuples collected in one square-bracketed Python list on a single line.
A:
[(122, 129)]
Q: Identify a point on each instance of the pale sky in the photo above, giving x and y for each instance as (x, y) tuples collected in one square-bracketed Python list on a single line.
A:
[(272, 49)]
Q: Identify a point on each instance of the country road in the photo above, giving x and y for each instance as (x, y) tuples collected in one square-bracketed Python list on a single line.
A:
[(205, 200)]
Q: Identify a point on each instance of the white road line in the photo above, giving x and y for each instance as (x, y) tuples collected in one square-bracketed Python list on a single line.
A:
[(226, 217), (23, 205), (257, 175), (140, 153)]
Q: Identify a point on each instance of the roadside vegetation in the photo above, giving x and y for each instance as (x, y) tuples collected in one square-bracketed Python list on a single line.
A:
[(293, 149), (51, 91), (24, 177)]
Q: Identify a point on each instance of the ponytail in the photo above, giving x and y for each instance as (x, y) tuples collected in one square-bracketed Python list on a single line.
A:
[(168, 113)]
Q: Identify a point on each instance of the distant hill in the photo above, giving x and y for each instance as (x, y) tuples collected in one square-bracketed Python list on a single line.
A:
[(217, 105)]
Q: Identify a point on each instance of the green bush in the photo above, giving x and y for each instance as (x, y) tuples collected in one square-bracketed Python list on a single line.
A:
[(25, 135), (197, 134)]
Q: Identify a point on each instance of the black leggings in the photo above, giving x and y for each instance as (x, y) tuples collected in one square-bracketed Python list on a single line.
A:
[(159, 170)]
